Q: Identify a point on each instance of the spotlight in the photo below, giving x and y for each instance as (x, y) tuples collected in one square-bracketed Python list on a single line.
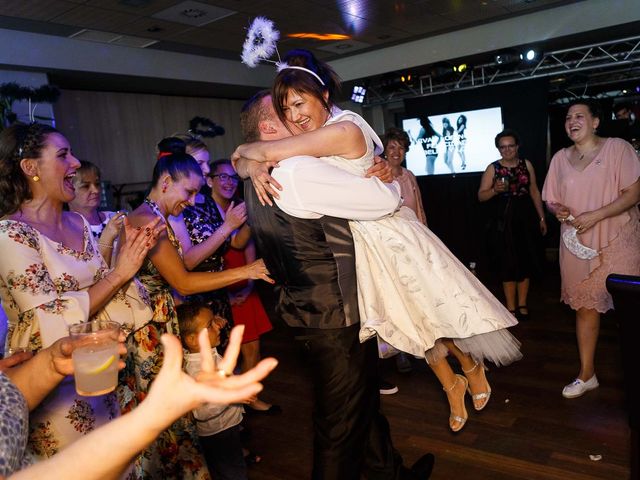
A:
[(530, 55), (440, 71), (358, 93), (462, 67), (507, 57)]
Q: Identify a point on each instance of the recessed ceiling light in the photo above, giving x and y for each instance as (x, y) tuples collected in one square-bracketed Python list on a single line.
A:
[(193, 13)]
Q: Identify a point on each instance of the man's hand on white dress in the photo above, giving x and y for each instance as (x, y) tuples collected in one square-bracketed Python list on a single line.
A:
[(380, 169)]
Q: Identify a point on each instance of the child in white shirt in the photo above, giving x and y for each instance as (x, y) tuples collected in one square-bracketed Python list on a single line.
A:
[(218, 426)]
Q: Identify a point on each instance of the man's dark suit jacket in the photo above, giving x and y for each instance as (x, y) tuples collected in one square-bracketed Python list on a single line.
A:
[(312, 262)]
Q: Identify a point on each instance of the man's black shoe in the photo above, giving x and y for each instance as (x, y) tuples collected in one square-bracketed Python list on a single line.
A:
[(423, 467)]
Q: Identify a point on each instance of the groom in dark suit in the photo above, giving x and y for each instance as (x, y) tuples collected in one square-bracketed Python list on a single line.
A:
[(313, 263)]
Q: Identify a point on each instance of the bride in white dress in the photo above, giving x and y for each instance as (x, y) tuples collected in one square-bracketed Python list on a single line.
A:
[(412, 291)]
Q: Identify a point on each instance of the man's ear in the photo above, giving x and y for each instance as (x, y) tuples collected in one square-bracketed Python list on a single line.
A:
[(266, 127)]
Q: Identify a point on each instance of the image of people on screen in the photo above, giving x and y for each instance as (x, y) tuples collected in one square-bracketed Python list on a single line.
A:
[(429, 139), (461, 127), (449, 147)]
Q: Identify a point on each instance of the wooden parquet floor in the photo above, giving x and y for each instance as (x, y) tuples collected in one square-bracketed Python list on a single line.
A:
[(528, 431)]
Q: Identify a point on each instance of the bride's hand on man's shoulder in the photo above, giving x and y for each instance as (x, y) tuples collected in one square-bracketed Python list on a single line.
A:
[(263, 183)]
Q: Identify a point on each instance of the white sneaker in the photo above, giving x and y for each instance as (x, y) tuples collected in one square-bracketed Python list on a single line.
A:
[(578, 388), (387, 388)]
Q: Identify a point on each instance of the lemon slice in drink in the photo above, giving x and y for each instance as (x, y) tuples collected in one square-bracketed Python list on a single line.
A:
[(101, 368)]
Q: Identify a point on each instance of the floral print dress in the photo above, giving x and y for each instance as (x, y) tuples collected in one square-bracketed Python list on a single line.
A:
[(175, 453), (43, 286)]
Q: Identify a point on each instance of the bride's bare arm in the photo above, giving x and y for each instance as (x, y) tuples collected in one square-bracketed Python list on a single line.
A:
[(344, 139)]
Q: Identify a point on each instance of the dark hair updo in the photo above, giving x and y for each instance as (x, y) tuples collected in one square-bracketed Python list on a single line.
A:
[(173, 160)]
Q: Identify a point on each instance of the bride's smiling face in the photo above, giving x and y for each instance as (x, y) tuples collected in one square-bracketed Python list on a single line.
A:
[(304, 111)]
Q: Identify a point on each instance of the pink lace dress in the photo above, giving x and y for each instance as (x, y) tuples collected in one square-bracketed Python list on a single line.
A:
[(617, 238)]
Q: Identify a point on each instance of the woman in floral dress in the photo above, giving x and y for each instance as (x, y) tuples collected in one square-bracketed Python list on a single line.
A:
[(52, 275), (177, 179)]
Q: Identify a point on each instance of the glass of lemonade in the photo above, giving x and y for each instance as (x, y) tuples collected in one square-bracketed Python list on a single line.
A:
[(95, 356)]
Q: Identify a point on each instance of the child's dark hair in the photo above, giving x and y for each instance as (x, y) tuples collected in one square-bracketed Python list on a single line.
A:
[(187, 313)]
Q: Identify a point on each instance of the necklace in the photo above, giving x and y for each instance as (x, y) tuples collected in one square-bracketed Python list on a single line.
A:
[(172, 236), (154, 208), (588, 152)]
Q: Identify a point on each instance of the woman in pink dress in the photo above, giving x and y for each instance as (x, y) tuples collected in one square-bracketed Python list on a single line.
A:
[(593, 189)]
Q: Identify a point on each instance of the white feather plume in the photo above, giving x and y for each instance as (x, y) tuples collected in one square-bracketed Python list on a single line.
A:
[(260, 43)]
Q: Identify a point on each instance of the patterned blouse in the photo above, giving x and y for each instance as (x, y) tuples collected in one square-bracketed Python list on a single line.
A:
[(43, 286), (14, 428), (518, 176)]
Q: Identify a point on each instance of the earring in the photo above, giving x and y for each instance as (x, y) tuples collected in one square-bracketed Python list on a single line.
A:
[(35, 178), (164, 187)]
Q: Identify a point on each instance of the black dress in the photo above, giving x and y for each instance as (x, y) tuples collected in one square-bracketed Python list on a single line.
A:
[(202, 220), (515, 241)]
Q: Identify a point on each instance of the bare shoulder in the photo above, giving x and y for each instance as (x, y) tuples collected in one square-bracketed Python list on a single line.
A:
[(141, 216)]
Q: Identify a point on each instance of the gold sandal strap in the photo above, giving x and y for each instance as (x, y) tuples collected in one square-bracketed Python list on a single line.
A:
[(471, 369)]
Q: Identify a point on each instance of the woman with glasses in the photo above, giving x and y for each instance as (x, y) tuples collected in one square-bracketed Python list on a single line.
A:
[(517, 222)]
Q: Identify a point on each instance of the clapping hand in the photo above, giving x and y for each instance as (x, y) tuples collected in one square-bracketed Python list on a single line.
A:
[(112, 228), (136, 245), (235, 215)]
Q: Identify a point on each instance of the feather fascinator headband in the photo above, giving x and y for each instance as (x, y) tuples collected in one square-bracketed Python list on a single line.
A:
[(260, 45)]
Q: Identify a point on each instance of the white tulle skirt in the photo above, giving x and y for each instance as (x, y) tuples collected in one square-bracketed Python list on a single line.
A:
[(413, 292)]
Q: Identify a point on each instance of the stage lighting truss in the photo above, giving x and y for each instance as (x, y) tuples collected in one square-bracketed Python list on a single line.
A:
[(619, 58)]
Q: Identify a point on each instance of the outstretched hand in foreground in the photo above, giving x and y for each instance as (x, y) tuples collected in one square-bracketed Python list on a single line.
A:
[(172, 394)]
